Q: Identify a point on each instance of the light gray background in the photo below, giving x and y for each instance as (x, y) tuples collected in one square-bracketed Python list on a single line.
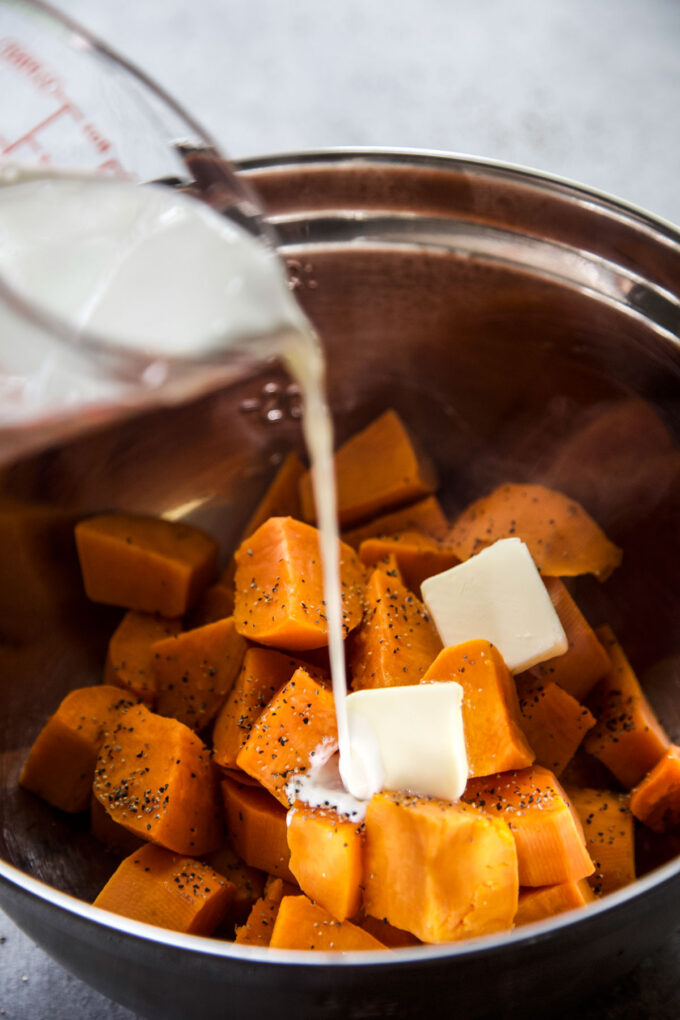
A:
[(589, 89)]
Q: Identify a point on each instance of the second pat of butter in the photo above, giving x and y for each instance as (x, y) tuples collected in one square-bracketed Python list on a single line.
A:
[(406, 738), (497, 595)]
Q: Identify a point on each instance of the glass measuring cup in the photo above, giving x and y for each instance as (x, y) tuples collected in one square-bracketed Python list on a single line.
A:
[(74, 104), (77, 108)]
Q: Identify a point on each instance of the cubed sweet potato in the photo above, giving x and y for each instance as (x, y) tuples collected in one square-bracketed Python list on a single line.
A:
[(376, 470), (442, 871), (158, 887), (155, 777), (60, 766), (144, 563), (279, 598)]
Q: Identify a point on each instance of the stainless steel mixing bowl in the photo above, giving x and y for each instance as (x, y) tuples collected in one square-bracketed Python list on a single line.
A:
[(527, 329)]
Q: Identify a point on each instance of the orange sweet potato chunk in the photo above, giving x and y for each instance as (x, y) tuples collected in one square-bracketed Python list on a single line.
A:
[(155, 777), (586, 660), (280, 887), (563, 539), (396, 641), (129, 660), (584, 771), (248, 882), (158, 887), (393, 938), (144, 563), (60, 766), (655, 801), (216, 603), (537, 904), (301, 924), (196, 670), (297, 729), (282, 498), (494, 738), (550, 843), (426, 517), (610, 838), (263, 673), (259, 925), (256, 827), (627, 738), (115, 837), (442, 871), (279, 597), (376, 470), (554, 723), (327, 858), (418, 556)]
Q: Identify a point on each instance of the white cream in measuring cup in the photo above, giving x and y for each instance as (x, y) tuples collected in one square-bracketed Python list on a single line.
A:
[(152, 271), (146, 269)]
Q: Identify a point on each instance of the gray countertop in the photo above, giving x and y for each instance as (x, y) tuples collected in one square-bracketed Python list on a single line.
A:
[(588, 89)]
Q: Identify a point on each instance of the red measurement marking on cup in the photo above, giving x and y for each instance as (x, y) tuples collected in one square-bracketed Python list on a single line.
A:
[(30, 136), (20, 59)]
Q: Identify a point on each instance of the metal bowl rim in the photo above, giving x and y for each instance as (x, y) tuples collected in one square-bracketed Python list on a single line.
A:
[(447, 160), (217, 948)]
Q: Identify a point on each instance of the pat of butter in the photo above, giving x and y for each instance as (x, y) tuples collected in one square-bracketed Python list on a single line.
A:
[(497, 595), (406, 738)]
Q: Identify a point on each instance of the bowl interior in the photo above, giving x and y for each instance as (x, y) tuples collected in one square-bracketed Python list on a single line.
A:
[(525, 331)]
